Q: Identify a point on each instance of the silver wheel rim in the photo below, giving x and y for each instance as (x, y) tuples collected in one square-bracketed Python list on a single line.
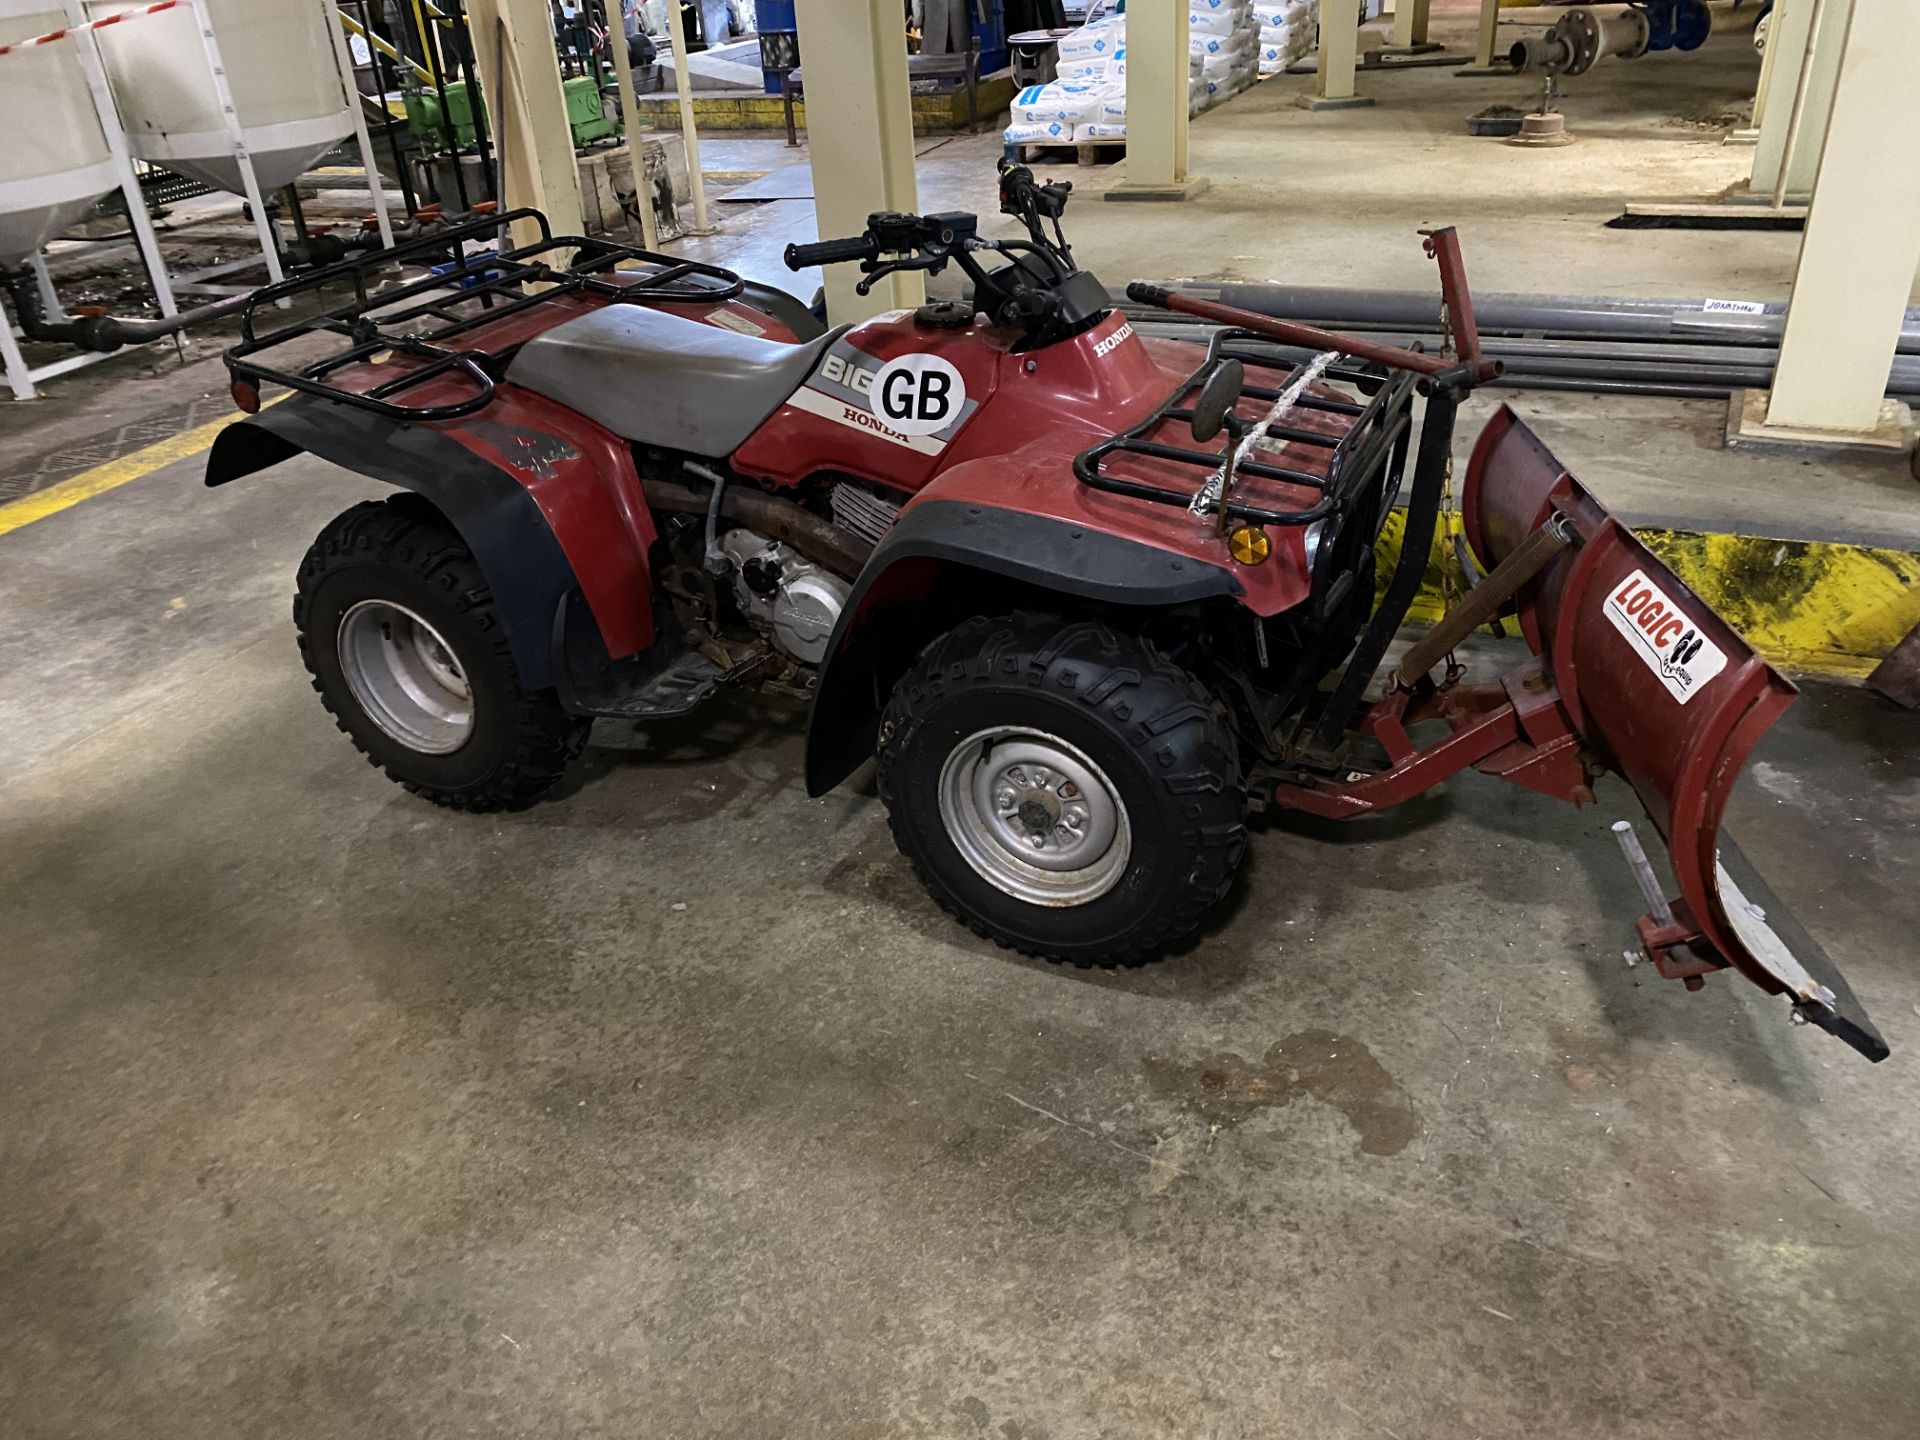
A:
[(1034, 816), (405, 677)]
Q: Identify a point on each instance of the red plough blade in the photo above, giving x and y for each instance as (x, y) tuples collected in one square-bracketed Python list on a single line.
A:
[(1668, 695)]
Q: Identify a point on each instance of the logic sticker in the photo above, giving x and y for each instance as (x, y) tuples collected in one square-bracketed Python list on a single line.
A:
[(1667, 642)]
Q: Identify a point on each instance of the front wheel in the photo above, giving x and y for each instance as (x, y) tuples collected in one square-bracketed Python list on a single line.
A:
[(1063, 788), (399, 631)]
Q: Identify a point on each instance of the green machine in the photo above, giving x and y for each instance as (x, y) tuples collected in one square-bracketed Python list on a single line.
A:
[(585, 115), (423, 115)]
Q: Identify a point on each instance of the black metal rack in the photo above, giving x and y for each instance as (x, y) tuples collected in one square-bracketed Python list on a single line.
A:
[(1359, 456), (459, 293)]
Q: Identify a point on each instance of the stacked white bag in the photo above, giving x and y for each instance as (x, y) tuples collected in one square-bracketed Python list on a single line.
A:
[(1287, 31), (1087, 99), (1226, 37), (1091, 70)]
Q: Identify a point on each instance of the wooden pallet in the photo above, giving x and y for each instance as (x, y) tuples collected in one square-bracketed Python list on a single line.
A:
[(1086, 152)]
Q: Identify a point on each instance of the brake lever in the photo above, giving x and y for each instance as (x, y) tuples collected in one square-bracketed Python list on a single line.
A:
[(932, 264)]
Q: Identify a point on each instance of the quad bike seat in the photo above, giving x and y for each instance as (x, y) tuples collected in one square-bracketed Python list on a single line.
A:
[(661, 379)]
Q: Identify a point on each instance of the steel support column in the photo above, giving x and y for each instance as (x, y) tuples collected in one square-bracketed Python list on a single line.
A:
[(630, 125), (1862, 241), (1410, 24), (1810, 36), (527, 110), (1333, 70), (689, 132), (1769, 60), (1487, 33), (859, 135), (1157, 105)]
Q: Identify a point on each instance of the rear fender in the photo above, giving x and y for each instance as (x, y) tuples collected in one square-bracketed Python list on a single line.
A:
[(936, 546), (1667, 694), (547, 500)]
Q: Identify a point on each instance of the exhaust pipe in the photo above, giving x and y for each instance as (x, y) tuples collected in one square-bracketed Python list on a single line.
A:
[(778, 519)]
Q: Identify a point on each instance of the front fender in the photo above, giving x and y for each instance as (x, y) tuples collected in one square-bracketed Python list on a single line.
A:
[(546, 500), (884, 627)]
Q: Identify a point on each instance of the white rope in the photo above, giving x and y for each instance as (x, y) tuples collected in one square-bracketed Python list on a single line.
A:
[(1208, 497)]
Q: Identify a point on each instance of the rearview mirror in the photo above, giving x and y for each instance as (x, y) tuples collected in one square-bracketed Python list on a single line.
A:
[(1217, 397)]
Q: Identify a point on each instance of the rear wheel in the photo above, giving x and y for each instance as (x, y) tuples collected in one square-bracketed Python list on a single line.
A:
[(399, 631), (1063, 788)]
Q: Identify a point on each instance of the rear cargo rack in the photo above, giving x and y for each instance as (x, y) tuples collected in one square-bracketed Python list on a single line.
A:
[(460, 293), (1374, 435)]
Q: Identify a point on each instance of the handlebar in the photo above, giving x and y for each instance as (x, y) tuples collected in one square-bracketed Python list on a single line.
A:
[(1042, 289), (831, 252)]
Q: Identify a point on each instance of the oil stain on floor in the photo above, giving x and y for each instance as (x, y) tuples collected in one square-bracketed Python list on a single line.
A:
[(1335, 1069)]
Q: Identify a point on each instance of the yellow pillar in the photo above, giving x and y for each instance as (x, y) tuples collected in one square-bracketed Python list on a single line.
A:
[(1788, 146), (853, 56), (1862, 240), (527, 111), (1333, 71), (1487, 34), (1764, 83), (689, 132), (1157, 71), (1410, 25), (630, 128)]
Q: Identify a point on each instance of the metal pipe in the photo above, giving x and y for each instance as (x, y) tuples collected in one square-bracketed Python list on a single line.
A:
[(380, 47), (1582, 36), (1659, 390), (1287, 331), (1650, 888), (1800, 87), (103, 334), (430, 52), (476, 102), (389, 127), (1595, 372), (1516, 314)]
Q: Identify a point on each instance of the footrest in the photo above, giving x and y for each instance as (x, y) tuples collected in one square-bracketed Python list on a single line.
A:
[(674, 691)]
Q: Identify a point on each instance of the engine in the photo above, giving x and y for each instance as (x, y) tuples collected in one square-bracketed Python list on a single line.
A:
[(793, 601)]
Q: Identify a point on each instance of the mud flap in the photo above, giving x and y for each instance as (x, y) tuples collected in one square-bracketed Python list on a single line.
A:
[(1665, 693)]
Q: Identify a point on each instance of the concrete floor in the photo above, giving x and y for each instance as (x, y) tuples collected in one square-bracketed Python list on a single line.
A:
[(673, 1107)]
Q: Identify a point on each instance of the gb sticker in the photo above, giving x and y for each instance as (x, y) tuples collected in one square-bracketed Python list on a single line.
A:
[(919, 394), (1667, 642)]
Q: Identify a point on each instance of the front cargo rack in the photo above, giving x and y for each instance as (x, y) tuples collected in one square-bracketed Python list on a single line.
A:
[(1375, 433), (459, 293)]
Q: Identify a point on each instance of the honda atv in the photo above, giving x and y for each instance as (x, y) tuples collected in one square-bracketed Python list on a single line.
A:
[(1088, 597)]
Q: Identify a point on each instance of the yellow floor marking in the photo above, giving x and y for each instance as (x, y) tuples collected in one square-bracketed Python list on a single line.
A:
[(102, 478), (1810, 605)]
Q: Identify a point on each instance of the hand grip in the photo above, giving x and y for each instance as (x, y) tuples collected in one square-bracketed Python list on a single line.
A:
[(830, 252)]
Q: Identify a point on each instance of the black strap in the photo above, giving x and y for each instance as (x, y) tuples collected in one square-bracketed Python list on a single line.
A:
[(1416, 543)]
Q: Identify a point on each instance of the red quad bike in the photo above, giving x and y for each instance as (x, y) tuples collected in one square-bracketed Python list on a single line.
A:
[(1089, 597)]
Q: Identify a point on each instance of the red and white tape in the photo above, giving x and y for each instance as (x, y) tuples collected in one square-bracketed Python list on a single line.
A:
[(53, 35)]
